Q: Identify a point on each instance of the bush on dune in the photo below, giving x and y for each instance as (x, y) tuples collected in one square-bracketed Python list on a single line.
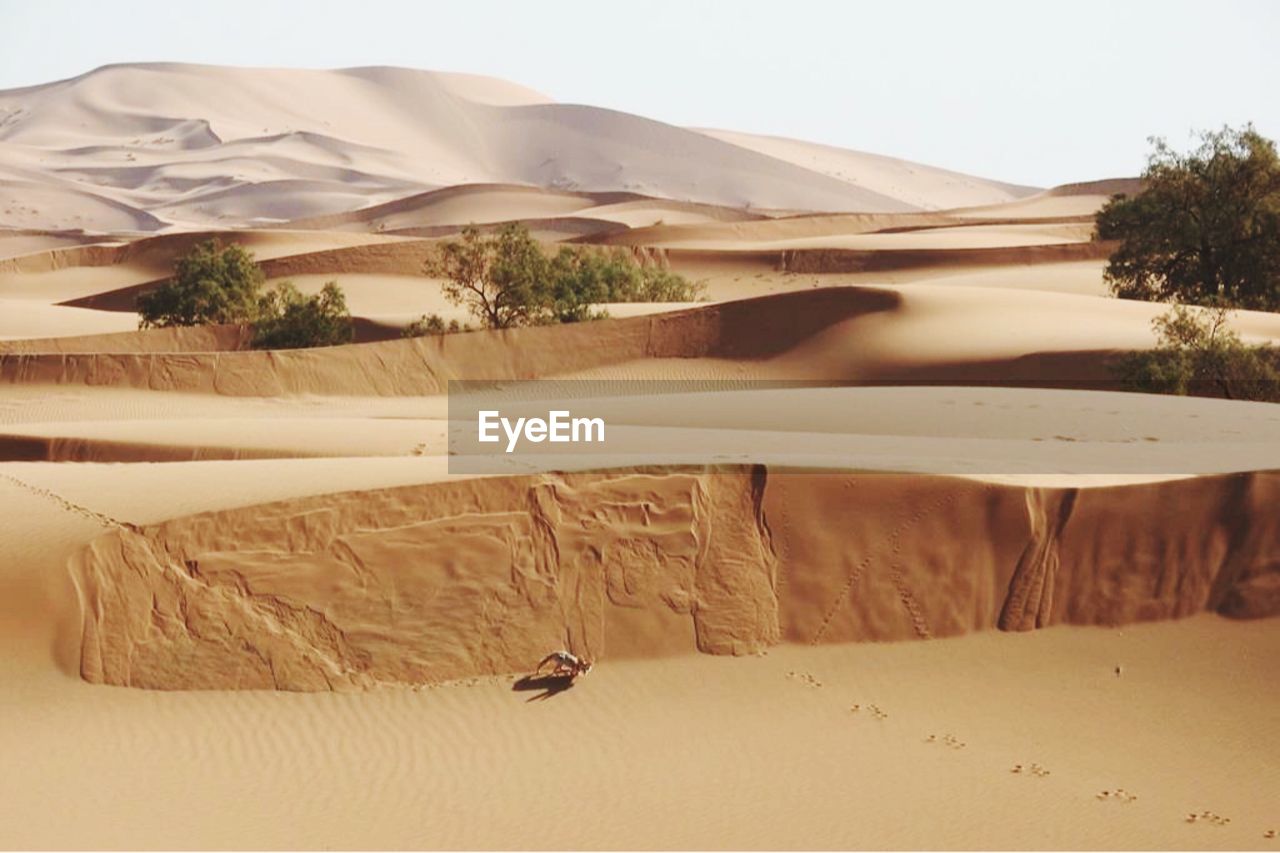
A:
[(215, 284), (505, 279), (210, 284), (288, 319), (431, 324), (1198, 354)]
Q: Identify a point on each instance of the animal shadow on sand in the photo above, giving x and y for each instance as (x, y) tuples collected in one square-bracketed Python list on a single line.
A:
[(550, 685)]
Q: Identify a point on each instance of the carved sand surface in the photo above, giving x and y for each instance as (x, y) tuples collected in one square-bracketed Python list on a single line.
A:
[(443, 581)]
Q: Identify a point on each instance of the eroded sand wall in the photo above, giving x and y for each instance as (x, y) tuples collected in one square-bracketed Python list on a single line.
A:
[(448, 580)]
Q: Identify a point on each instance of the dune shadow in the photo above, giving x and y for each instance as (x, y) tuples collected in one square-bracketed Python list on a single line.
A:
[(550, 685)]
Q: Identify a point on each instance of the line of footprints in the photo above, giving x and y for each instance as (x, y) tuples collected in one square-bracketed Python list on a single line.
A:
[(1034, 769)]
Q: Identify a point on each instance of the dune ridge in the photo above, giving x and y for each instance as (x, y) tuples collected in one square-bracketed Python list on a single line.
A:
[(482, 576), (151, 146)]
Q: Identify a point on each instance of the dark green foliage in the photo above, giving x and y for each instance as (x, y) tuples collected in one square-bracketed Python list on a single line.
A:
[(287, 319), (210, 284), (1206, 228), (1197, 354), (506, 280), (431, 324), (217, 284)]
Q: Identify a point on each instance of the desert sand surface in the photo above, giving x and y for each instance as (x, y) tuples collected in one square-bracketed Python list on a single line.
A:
[(879, 554)]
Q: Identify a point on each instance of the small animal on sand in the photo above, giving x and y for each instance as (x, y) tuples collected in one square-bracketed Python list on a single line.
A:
[(563, 665)]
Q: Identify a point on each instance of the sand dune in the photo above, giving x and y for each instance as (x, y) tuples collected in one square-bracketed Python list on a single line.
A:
[(144, 147), (923, 187), (881, 490), (917, 333), (306, 596)]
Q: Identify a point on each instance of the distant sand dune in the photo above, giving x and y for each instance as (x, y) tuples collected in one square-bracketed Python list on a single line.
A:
[(149, 146)]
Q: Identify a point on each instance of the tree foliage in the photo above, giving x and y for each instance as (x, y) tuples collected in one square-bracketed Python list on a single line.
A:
[(505, 279), (288, 319), (431, 324), (499, 277), (222, 284), (1206, 227), (210, 284), (1198, 354)]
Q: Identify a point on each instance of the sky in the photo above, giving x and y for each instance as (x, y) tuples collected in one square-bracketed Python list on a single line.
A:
[(1039, 93)]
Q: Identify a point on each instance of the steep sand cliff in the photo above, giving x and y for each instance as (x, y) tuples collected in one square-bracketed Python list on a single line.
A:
[(448, 580)]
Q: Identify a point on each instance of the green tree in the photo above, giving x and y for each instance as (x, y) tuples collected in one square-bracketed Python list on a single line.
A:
[(505, 279), (501, 278), (1197, 353), (1206, 227), (287, 319), (210, 284)]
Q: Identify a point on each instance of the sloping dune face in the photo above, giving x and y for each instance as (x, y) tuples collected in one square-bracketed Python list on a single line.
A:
[(150, 146), (449, 580)]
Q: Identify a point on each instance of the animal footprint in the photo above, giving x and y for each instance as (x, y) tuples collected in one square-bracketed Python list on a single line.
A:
[(953, 741), (1033, 769), (805, 678), (1118, 794), (1208, 817)]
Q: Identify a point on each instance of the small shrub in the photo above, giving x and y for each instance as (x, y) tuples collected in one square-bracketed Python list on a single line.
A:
[(286, 319), (1197, 354), (427, 324)]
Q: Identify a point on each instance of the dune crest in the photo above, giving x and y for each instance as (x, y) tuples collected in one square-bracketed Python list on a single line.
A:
[(150, 146), (427, 583)]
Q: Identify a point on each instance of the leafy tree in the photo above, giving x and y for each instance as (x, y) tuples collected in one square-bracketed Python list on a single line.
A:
[(577, 281), (1198, 354), (506, 280), (500, 278), (210, 284), (287, 319), (1206, 227)]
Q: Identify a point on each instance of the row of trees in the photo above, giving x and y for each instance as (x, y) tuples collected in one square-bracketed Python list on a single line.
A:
[(503, 279), (1204, 231)]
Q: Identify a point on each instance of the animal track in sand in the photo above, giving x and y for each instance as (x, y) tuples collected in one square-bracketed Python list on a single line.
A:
[(1209, 817), (804, 678), (91, 514), (1032, 769), (949, 740), (876, 711), (1118, 794)]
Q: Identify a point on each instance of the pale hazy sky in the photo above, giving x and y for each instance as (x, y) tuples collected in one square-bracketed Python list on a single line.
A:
[(1031, 92)]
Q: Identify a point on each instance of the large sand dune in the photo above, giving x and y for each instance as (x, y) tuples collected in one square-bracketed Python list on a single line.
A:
[(142, 147)]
